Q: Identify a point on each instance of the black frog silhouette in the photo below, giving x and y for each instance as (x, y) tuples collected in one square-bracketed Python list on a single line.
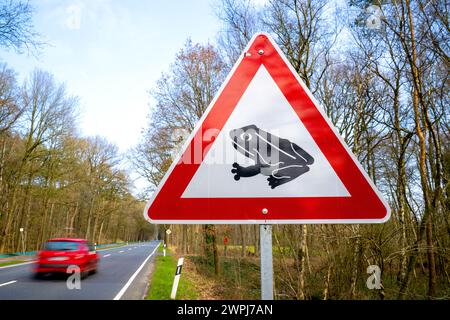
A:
[(279, 159)]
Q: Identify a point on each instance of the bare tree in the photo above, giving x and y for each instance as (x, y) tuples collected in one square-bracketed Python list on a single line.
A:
[(304, 34), (10, 110), (16, 26), (240, 22)]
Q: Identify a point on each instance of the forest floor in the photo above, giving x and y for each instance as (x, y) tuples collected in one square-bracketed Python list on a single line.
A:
[(239, 278)]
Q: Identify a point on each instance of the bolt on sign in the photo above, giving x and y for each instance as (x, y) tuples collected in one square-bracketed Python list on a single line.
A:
[(264, 152)]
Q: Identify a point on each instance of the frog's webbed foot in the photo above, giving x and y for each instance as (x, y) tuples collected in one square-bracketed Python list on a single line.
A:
[(235, 171), (275, 182), (249, 171), (286, 174)]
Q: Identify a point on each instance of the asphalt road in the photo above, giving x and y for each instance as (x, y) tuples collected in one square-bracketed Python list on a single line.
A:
[(121, 274)]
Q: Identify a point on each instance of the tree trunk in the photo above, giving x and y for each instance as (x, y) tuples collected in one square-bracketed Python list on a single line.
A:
[(256, 231), (216, 253), (356, 257), (431, 260), (304, 248), (88, 227), (421, 133), (326, 289), (99, 239), (211, 251), (243, 245)]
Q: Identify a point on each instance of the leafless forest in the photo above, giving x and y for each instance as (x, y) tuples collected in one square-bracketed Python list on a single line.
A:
[(381, 74)]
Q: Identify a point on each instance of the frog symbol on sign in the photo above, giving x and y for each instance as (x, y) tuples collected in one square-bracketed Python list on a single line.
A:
[(279, 159)]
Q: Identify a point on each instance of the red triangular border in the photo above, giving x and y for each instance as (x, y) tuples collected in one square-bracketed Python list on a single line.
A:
[(365, 205)]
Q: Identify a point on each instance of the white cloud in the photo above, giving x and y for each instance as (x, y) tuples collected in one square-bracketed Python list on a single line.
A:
[(73, 21)]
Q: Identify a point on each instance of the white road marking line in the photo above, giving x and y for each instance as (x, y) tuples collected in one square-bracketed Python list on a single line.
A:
[(121, 251), (6, 283), (125, 287), (106, 255), (16, 265)]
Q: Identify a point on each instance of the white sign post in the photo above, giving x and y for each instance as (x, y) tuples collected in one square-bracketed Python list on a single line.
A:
[(177, 279), (23, 240)]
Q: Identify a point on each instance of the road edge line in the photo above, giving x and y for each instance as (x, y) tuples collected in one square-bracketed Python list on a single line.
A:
[(125, 287)]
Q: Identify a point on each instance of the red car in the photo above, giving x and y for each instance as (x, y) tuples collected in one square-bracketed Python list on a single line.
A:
[(60, 253)]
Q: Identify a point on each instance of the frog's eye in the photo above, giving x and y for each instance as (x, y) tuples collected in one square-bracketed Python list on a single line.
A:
[(246, 136)]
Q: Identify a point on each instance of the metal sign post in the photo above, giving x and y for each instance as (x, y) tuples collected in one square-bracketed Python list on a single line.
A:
[(265, 232)]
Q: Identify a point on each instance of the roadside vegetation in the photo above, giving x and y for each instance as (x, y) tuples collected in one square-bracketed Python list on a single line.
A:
[(162, 280), (11, 262), (239, 278)]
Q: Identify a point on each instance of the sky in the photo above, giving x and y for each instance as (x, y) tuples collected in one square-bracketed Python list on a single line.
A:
[(110, 53)]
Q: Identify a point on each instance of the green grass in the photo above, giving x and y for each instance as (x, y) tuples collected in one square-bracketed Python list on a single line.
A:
[(8, 263), (162, 280)]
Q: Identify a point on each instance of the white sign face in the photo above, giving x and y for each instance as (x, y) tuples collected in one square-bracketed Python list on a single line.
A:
[(213, 178), (168, 231)]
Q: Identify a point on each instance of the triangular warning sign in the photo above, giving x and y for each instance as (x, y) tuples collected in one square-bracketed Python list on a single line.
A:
[(264, 152)]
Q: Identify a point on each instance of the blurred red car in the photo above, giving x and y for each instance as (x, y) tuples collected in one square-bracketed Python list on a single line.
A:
[(60, 253)]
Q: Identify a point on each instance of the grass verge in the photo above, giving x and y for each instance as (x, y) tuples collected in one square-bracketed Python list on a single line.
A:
[(162, 280), (8, 263)]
